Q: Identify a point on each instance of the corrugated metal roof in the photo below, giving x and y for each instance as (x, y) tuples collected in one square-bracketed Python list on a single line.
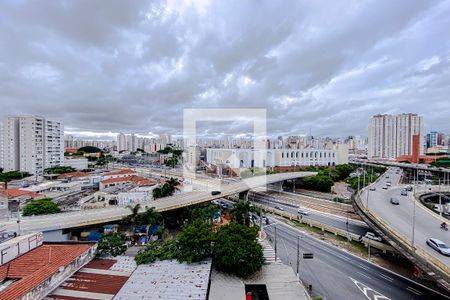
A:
[(167, 280)]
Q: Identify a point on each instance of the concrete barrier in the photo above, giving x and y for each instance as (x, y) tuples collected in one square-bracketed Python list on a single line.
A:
[(417, 255), (324, 227)]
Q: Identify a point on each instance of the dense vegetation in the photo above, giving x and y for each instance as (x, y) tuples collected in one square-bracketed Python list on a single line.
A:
[(13, 175), (89, 149), (167, 189), (370, 176), (59, 170), (325, 177), (111, 244), (176, 155), (42, 206), (234, 248), (149, 217), (442, 162)]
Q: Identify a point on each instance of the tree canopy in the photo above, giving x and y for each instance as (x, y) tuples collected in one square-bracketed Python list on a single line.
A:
[(40, 207), (236, 250), (240, 213), (195, 242), (149, 217), (13, 175), (111, 244), (167, 189), (59, 170), (89, 149)]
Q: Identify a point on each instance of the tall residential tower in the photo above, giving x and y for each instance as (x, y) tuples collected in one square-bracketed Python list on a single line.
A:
[(32, 144), (391, 136)]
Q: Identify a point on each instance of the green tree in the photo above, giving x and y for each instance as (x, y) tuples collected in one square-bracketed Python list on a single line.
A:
[(240, 213), (59, 170), (195, 242), (344, 171), (90, 149), (205, 213), (150, 217), (40, 207), (321, 183), (111, 244), (167, 189), (133, 217), (236, 250), (159, 249)]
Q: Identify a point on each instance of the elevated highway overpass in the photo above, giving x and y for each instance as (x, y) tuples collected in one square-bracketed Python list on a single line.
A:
[(406, 226), (98, 216)]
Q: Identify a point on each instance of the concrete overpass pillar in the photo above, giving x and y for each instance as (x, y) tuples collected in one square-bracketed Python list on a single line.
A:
[(243, 195)]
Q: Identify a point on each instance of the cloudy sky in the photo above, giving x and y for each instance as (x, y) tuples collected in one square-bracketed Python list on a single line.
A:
[(322, 66)]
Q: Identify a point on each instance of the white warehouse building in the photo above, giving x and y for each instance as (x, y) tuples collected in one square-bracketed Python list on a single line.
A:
[(245, 158)]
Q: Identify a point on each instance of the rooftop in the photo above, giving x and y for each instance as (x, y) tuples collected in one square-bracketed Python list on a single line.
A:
[(168, 280), (120, 172), (99, 279), (14, 193), (35, 267), (135, 179)]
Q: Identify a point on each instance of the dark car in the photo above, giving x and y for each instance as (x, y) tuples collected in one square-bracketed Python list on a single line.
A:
[(394, 201), (214, 193)]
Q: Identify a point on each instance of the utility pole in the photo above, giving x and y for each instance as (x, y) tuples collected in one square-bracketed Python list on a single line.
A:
[(440, 198), (368, 250), (414, 209), (298, 255), (275, 248)]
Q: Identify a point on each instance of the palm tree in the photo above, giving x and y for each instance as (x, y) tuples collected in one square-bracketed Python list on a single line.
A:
[(133, 218), (150, 216)]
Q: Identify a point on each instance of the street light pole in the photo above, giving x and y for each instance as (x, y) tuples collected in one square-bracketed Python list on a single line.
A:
[(368, 250), (298, 255), (275, 243), (414, 210)]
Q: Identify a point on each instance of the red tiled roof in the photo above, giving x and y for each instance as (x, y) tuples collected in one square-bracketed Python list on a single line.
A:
[(101, 264), (73, 174), (36, 266), (120, 172), (135, 179), (86, 280), (13, 193)]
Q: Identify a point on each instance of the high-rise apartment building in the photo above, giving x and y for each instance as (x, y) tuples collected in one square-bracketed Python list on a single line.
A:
[(391, 136), (32, 144), (434, 139), (121, 142)]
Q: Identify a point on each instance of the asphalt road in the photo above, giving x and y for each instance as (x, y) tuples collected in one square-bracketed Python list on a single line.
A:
[(338, 275), (400, 217), (98, 216), (356, 227)]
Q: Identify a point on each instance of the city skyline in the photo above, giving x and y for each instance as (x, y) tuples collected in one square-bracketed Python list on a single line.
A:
[(135, 68)]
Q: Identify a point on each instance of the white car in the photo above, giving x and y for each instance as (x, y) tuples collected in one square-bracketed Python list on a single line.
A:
[(279, 207), (302, 211), (439, 246), (372, 236)]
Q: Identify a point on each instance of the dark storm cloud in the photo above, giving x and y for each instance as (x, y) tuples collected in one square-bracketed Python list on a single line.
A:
[(110, 66)]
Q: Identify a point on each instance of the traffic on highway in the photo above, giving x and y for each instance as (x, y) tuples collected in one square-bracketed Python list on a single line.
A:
[(337, 274), (395, 204)]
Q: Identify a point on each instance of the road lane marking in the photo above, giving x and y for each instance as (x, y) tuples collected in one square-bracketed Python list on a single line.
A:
[(370, 293), (363, 267), (390, 279), (412, 290), (363, 275)]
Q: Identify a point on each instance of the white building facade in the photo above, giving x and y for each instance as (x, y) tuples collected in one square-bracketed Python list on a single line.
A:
[(391, 136), (32, 144), (245, 158)]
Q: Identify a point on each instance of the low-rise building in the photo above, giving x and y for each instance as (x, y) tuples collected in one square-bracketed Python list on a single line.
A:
[(76, 163), (122, 181), (41, 268), (271, 158)]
